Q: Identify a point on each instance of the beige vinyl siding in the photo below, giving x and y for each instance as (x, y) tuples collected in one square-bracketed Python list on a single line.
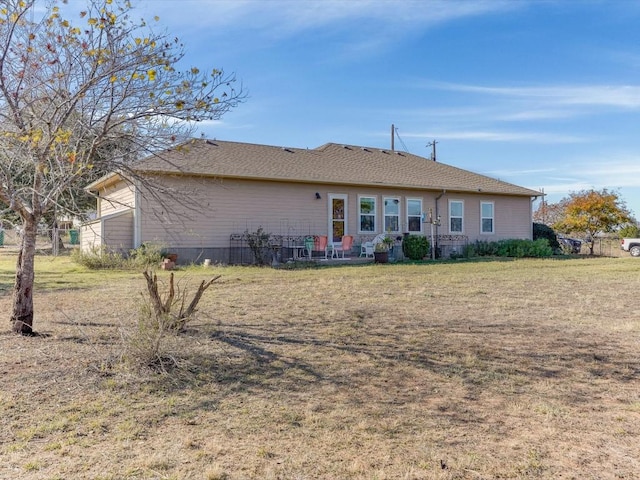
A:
[(91, 236), (118, 231), (512, 216), (116, 198), (203, 213), (206, 212), (115, 232)]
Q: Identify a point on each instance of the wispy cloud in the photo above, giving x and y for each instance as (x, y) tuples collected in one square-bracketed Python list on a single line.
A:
[(502, 173), (281, 19), (514, 114), (623, 96), (617, 171), (526, 115), (499, 136), (621, 172), (289, 14)]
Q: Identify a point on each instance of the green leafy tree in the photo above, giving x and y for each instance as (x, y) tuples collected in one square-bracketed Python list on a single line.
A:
[(591, 212), (86, 94), (629, 231)]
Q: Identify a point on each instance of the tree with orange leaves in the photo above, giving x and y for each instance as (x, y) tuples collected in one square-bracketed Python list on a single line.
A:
[(591, 212)]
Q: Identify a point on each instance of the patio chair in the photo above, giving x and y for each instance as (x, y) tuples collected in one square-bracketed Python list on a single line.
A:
[(344, 246), (308, 246), (320, 244), (366, 249), (378, 239)]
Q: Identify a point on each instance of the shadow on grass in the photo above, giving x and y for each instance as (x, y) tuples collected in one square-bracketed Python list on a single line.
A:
[(263, 362), (484, 356), (86, 324)]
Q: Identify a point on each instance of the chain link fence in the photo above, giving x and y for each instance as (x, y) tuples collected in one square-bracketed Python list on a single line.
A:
[(67, 238)]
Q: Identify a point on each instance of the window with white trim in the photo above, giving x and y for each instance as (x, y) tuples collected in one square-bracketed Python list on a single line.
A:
[(414, 215), (391, 214), (456, 216), (367, 212), (486, 217)]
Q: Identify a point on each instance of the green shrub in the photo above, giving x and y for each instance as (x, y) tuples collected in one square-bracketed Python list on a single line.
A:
[(415, 247), (99, 259), (517, 248), (540, 230), (146, 255), (469, 251), (540, 248), (486, 249), (629, 231)]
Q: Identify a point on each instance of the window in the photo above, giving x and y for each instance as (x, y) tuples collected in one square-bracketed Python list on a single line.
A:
[(486, 217), (456, 209), (414, 215), (391, 214), (367, 210)]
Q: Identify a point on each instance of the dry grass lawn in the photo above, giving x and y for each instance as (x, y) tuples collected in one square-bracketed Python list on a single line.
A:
[(507, 369)]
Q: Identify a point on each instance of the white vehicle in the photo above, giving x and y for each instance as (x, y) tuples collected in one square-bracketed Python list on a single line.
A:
[(631, 245)]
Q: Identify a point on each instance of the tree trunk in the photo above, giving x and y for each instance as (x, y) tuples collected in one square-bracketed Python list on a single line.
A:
[(22, 316)]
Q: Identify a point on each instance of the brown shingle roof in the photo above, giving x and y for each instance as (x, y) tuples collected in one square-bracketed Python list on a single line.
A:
[(328, 164)]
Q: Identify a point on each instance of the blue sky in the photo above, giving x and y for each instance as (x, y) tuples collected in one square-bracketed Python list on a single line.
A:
[(543, 94)]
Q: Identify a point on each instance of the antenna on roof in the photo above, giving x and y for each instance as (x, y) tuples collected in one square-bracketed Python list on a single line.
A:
[(433, 151)]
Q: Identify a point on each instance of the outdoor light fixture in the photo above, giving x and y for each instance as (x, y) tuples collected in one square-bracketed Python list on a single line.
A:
[(437, 222), (318, 197)]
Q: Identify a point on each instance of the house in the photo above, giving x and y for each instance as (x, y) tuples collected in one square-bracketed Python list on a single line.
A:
[(199, 198)]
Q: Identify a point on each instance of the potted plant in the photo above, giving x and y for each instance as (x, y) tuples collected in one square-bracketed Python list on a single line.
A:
[(381, 250)]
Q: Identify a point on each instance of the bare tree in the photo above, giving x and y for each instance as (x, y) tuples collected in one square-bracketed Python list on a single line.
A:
[(92, 92), (550, 213)]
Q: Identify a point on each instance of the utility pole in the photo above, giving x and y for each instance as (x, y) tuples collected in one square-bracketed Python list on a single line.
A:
[(433, 151), (393, 134)]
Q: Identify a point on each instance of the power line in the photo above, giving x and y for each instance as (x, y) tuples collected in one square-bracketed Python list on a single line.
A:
[(400, 140)]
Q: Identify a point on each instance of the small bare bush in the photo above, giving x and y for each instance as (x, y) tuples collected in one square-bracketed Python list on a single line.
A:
[(172, 308), (160, 318), (147, 343)]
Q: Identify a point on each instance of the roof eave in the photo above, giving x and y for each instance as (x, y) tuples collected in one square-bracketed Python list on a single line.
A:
[(435, 188), (103, 182)]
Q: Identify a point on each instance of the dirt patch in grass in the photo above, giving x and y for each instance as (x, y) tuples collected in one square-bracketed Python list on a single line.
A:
[(521, 369)]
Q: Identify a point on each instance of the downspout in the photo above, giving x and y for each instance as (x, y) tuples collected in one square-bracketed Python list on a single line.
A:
[(437, 217), (437, 224), (137, 218), (533, 199)]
